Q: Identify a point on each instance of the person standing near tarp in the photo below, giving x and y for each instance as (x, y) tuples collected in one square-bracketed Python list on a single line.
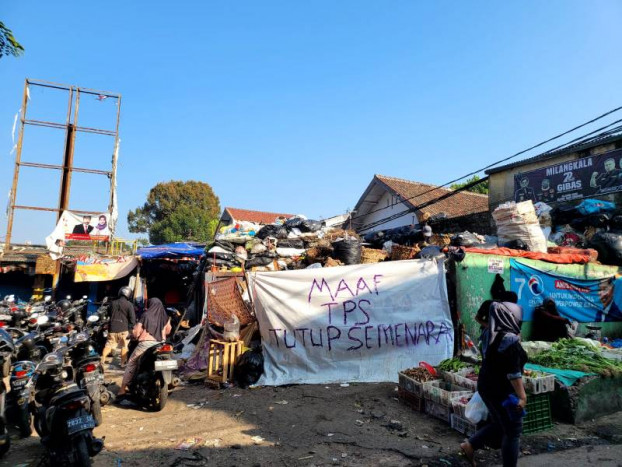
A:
[(501, 376), (122, 321)]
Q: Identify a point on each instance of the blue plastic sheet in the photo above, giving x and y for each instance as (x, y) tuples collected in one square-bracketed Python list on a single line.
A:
[(172, 251), (566, 377)]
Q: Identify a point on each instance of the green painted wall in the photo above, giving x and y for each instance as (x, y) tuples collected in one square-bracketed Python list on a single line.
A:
[(473, 283)]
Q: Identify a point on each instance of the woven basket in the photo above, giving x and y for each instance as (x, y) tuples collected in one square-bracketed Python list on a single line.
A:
[(371, 255), (399, 252)]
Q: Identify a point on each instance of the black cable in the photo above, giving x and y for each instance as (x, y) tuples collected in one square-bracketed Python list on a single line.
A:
[(449, 194), (498, 162), (477, 182)]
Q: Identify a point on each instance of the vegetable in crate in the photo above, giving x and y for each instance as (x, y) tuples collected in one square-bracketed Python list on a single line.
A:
[(419, 374), (452, 364)]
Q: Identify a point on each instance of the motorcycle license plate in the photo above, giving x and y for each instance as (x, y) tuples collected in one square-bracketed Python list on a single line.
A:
[(165, 365), (91, 378), (85, 422), (18, 383)]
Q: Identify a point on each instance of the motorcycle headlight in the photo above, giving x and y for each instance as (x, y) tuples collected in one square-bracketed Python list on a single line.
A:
[(64, 374)]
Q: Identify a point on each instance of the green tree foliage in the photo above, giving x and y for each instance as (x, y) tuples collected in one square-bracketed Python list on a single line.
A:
[(8, 43), (481, 188), (177, 211)]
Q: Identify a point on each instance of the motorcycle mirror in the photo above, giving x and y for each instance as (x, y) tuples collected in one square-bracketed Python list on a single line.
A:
[(42, 320), (93, 319)]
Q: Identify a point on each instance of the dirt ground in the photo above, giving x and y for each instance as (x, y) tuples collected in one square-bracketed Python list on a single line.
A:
[(361, 424)]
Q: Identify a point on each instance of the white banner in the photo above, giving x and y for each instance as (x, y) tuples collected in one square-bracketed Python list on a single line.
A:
[(361, 323)]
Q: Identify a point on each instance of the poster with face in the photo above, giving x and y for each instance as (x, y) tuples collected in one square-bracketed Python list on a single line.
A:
[(76, 227), (571, 180)]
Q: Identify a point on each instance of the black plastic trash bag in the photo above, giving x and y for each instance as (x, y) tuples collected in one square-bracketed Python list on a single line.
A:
[(517, 244), (564, 214), (276, 231), (293, 223), (224, 245), (616, 223), (376, 239), (347, 251), (225, 256), (609, 247), (248, 368), (309, 225), (291, 243), (259, 260)]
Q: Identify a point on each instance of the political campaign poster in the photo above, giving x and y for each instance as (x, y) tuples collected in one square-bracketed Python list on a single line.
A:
[(582, 300), (360, 323), (78, 227), (572, 180)]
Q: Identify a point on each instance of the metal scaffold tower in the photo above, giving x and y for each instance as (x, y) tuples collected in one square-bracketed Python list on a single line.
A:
[(71, 127)]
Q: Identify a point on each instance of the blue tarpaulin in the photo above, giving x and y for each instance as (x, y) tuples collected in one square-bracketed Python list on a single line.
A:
[(172, 251)]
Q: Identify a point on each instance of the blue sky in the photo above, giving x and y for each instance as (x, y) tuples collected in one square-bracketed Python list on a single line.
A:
[(293, 106)]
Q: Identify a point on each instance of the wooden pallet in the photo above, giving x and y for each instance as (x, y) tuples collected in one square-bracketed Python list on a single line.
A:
[(221, 361)]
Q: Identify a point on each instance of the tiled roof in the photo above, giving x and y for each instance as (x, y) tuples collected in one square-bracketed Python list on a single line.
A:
[(258, 217), (415, 193)]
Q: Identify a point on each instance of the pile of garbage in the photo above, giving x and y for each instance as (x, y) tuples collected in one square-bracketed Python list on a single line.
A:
[(295, 243)]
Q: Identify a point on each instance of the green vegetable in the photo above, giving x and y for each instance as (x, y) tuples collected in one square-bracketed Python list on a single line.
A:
[(452, 364), (574, 354)]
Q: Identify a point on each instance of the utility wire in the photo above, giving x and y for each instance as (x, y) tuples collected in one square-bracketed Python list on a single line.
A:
[(423, 205), (500, 161), (582, 139)]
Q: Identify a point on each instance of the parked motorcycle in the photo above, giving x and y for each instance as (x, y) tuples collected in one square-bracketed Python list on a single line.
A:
[(154, 377), (18, 400), (61, 413), (6, 350), (89, 372)]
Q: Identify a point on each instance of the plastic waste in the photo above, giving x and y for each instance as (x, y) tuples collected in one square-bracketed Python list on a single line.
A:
[(476, 411), (347, 251), (232, 329)]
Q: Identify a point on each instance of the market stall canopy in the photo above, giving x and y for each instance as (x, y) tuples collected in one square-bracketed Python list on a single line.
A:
[(172, 250)]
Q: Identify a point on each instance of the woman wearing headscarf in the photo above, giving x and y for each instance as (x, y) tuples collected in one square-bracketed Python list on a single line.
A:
[(500, 376), (101, 228), (152, 328)]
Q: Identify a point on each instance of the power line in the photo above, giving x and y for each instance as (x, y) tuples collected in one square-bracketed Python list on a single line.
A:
[(423, 205), (582, 138), (501, 160)]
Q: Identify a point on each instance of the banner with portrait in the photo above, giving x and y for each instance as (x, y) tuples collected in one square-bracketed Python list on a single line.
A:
[(78, 227), (582, 300), (571, 180)]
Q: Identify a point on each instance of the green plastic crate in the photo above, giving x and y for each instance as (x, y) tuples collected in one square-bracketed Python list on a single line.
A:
[(538, 413)]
